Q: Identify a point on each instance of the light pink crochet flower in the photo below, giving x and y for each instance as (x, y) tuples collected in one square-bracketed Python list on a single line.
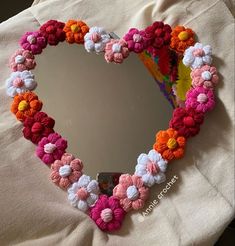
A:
[(22, 60), (33, 41), (201, 99), (205, 76), (131, 192), (51, 148), (66, 171), (136, 40), (107, 213), (116, 51)]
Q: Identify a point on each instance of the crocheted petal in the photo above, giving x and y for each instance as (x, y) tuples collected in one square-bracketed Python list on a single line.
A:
[(137, 181), (126, 180), (162, 164), (11, 91), (140, 170), (61, 144), (84, 181), (40, 152), (137, 204), (48, 158), (92, 199), (73, 199), (143, 159), (82, 205), (30, 84), (207, 49), (113, 203), (113, 225), (119, 191), (119, 214), (126, 204), (154, 156), (101, 224), (207, 59), (93, 187), (160, 178), (144, 193), (148, 179)]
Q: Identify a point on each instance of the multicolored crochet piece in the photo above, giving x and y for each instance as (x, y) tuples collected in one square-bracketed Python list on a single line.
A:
[(183, 71)]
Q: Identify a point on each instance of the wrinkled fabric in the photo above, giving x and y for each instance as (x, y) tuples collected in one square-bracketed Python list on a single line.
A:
[(200, 204)]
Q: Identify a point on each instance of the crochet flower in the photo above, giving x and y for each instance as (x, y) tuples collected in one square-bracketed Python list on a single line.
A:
[(84, 193), (136, 40), (22, 60), (205, 76), (66, 171), (157, 36), (96, 39), (186, 121), (131, 192), (25, 105), (170, 144), (116, 51), (52, 30), (107, 213), (181, 38), (33, 41), (51, 148), (75, 31), (151, 167), (38, 126), (197, 56), (20, 82), (201, 99)]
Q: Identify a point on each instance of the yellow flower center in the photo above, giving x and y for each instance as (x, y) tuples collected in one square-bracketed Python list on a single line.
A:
[(75, 28), (23, 105), (172, 144), (183, 36)]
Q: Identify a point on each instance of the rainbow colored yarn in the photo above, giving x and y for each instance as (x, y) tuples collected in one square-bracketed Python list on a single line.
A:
[(167, 54)]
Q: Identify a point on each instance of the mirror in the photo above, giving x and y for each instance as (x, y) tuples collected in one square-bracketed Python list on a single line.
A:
[(109, 113)]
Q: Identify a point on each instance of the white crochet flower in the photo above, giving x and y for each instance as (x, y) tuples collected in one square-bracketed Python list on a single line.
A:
[(20, 82), (96, 39), (151, 167), (83, 193), (197, 56)]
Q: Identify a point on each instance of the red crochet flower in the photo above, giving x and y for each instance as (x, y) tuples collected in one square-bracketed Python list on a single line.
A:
[(52, 30), (158, 35), (186, 121), (38, 126)]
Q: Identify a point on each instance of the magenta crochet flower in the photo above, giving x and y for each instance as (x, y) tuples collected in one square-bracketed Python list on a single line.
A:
[(136, 40), (51, 148), (131, 192), (33, 41), (116, 51), (22, 60), (107, 213), (205, 76), (53, 31), (201, 99), (66, 171)]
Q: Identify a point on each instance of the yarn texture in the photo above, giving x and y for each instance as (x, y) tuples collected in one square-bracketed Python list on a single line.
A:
[(22, 60), (51, 148), (84, 193), (151, 168), (38, 126), (170, 144), (186, 121), (96, 40), (20, 82), (53, 32), (197, 56), (201, 99), (33, 41), (25, 105), (66, 171), (107, 213), (131, 192)]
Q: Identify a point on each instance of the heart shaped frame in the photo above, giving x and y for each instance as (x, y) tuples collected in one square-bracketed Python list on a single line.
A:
[(182, 69)]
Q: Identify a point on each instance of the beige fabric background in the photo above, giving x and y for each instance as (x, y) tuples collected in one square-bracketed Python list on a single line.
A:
[(197, 208)]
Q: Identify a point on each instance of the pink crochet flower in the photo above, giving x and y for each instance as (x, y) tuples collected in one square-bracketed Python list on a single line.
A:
[(66, 171), (53, 31), (205, 76), (131, 192), (201, 99), (22, 60), (158, 35), (107, 213), (136, 40), (33, 41), (116, 51), (51, 148)]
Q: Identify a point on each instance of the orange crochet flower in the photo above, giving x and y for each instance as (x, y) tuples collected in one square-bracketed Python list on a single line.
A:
[(25, 104), (181, 38), (169, 144), (75, 31)]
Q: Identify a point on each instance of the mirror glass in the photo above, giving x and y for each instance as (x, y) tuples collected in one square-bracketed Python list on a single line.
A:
[(109, 113)]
